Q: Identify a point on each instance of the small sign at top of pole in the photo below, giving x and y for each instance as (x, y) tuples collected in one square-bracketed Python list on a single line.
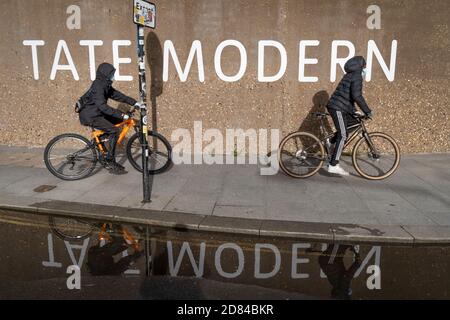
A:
[(144, 13)]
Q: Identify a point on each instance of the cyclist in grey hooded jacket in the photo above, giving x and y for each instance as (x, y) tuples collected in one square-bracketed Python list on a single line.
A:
[(341, 107)]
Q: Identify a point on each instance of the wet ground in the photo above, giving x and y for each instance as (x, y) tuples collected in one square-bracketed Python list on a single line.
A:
[(139, 262)]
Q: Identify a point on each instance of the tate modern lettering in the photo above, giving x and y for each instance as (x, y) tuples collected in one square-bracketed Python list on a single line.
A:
[(196, 60)]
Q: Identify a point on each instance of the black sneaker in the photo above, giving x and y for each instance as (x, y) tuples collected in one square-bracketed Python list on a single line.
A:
[(117, 169), (119, 165)]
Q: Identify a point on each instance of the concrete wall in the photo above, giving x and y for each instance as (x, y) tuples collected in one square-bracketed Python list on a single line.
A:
[(414, 107)]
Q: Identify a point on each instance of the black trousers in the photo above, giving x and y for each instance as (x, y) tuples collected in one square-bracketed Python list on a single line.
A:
[(342, 121), (112, 133)]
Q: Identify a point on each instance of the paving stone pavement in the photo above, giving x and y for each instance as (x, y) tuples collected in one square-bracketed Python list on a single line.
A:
[(417, 195)]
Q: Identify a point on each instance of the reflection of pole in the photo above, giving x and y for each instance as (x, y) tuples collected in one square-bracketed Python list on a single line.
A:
[(143, 111), (147, 252)]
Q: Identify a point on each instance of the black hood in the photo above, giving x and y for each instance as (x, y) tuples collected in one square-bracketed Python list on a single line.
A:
[(105, 72), (355, 64)]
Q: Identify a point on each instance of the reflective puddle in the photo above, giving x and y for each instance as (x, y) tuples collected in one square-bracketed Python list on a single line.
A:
[(54, 257)]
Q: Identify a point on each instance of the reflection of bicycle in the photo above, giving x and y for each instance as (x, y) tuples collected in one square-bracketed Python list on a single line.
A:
[(70, 229), (375, 155), (71, 156)]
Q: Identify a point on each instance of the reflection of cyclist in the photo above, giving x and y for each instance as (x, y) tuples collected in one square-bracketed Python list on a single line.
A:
[(332, 264), (341, 107), (101, 259), (97, 114)]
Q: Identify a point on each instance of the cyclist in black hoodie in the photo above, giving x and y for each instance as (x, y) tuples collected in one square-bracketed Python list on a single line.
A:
[(341, 106), (98, 114)]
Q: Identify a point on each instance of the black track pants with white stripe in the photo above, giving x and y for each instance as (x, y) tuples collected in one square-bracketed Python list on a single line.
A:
[(340, 120)]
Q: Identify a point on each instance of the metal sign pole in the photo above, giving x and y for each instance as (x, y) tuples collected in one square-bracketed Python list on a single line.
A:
[(144, 15), (143, 112)]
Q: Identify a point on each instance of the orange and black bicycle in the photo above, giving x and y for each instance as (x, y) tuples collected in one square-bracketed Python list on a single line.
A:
[(71, 156), (74, 229)]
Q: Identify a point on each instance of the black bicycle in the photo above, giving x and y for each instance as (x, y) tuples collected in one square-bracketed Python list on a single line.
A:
[(375, 155)]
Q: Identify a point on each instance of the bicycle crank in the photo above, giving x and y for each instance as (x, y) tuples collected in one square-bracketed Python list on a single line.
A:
[(71, 160)]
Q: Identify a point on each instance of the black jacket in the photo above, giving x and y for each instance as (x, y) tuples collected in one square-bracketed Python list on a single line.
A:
[(349, 89), (96, 98)]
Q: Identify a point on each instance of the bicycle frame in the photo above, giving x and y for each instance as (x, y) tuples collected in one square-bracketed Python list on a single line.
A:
[(126, 126), (103, 235), (360, 128)]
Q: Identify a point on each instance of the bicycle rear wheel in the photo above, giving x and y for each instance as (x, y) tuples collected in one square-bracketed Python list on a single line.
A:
[(70, 229), (301, 155), (70, 157), (160, 153), (376, 157)]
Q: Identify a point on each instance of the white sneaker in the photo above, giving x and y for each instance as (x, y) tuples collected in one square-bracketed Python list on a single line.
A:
[(337, 170)]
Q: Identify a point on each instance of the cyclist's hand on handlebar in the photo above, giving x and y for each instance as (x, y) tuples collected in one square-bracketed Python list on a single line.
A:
[(358, 114)]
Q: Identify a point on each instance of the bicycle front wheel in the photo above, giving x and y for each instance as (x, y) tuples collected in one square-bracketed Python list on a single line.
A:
[(160, 153), (376, 157), (301, 155), (70, 157)]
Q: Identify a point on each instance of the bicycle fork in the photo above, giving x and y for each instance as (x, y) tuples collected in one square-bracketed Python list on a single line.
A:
[(373, 152)]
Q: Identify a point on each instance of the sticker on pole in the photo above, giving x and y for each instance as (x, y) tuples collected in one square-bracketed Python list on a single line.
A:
[(144, 13)]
